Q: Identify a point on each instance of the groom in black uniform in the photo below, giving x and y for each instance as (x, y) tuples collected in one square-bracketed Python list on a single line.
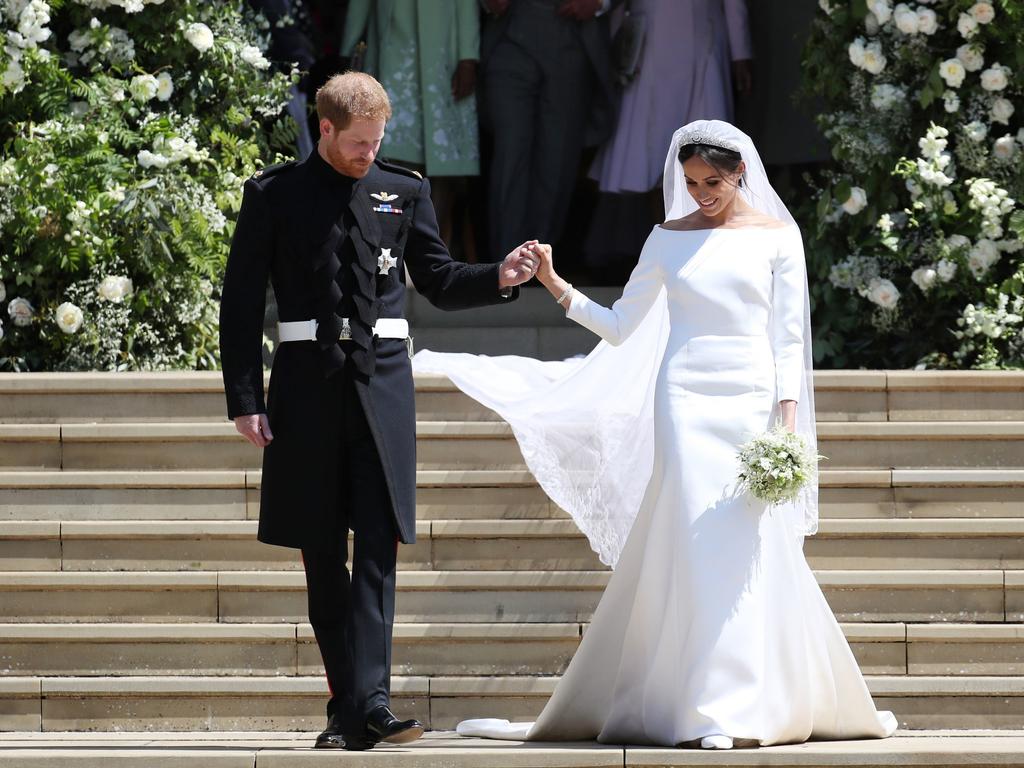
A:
[(336, 234)]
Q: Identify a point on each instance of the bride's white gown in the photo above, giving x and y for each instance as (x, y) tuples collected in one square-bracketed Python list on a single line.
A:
[(712, 622)]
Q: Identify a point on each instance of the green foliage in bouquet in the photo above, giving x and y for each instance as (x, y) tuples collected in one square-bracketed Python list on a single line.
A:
[(915, 244), (127, 129)]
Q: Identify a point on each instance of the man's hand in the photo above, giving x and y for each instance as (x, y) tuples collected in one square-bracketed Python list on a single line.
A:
[(496, 7), (519, 266), (464, 79), (743, 77), (581, 10), (255, 428)]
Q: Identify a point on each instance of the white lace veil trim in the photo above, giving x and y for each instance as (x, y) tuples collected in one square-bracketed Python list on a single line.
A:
[(586, 427)]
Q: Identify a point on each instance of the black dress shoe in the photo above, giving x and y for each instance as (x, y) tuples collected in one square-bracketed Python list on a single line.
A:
[(382, 725), (332, 737)]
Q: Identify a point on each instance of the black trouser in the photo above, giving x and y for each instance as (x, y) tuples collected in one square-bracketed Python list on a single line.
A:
[(538, 88), (353, 613)]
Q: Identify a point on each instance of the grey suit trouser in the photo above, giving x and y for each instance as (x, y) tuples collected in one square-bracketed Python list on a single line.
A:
[(539, 85)]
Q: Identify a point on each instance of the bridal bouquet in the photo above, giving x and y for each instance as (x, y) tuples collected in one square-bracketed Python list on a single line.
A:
[(776, 465)]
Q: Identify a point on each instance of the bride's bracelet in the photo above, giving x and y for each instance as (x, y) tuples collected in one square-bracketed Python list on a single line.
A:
[(565, 295)]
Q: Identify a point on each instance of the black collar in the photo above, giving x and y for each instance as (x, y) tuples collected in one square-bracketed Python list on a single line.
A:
[(326, 173)]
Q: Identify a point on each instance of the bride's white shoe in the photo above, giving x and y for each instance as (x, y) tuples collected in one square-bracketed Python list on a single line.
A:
[(716, 741)]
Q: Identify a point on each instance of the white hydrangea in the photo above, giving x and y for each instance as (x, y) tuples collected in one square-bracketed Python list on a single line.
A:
[(972, 56), (32, 20), (143, 88), (114, 288), (200, 36), (69, 317), (856, 202), (886, 96), (253, 56), (982, 256), (164, 86), (995, 78), (924, 278), (20, 311), (882, 292), (1001, 111), (976, 130), (953, 72)]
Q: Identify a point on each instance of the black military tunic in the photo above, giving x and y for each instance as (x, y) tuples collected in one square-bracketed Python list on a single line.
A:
[(324, 240)]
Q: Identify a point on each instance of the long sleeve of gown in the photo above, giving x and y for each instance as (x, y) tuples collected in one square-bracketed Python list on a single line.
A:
[(789, 284), (616, 324)]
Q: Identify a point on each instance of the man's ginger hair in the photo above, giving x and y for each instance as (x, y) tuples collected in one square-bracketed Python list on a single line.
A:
[(352, 94)]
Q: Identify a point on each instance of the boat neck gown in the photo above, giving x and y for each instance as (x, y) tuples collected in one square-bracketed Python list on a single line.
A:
[(712, 622)]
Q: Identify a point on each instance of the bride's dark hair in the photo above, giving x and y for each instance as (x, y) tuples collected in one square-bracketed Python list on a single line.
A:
[(722, 160)]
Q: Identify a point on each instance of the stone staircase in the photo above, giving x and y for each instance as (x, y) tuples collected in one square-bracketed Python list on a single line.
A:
[(134, 597)]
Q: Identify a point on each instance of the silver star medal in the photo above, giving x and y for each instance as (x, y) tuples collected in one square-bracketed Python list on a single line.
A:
[(385, 262)]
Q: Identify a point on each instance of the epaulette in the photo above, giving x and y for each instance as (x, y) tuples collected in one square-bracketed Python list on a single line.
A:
[(272, 170), (386, 166)]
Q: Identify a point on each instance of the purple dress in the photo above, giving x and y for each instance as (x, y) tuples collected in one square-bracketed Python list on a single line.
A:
[(685, 74)]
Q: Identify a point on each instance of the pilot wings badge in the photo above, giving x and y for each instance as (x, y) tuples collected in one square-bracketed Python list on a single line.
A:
[(384, 197)]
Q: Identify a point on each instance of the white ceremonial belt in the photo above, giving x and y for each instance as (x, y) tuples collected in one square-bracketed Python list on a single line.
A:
[(305, 330)]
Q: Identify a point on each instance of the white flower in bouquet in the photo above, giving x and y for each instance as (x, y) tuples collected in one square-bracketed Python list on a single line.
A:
[(164, 86), (945, 270), (927, 21), (1004, 148), (971, 55), (856, 52), (21, 312), (951, 101), (143, 87), (905, 19), (983, 255), (200, 36), (881, 9), (931, 172), (776, 466), (882, 292), (966, 26), (69, 317), (995, 78), (1001, 111), (114, 288), (982, 13), (934, 142), (976, 130), (856, 202), (253, 56), (924, 277), (953, 72), (874, 60), (885, 96)]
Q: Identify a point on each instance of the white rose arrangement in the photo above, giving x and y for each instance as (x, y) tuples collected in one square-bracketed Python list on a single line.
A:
[(129, 128), (776, 466), (919, 226)]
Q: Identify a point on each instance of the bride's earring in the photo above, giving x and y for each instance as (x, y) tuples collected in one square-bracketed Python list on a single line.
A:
[(716, 742)]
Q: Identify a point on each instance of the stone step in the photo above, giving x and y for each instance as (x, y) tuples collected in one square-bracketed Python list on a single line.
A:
[(198, 395), (461, 545), (470, 596), (480, 445), (474, 494), (247, 749), (297, 703), (432, 649)]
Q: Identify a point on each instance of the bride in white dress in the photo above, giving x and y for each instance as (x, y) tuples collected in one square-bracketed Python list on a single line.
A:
[(712, 628)]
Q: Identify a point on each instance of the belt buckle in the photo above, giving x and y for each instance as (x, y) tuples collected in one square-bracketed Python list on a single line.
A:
[(346, 330)]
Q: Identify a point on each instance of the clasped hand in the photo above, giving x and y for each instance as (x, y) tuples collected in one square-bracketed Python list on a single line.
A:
[(529, 259)]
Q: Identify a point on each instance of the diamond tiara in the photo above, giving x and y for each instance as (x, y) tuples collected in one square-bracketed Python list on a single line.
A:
[(704, 137)]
